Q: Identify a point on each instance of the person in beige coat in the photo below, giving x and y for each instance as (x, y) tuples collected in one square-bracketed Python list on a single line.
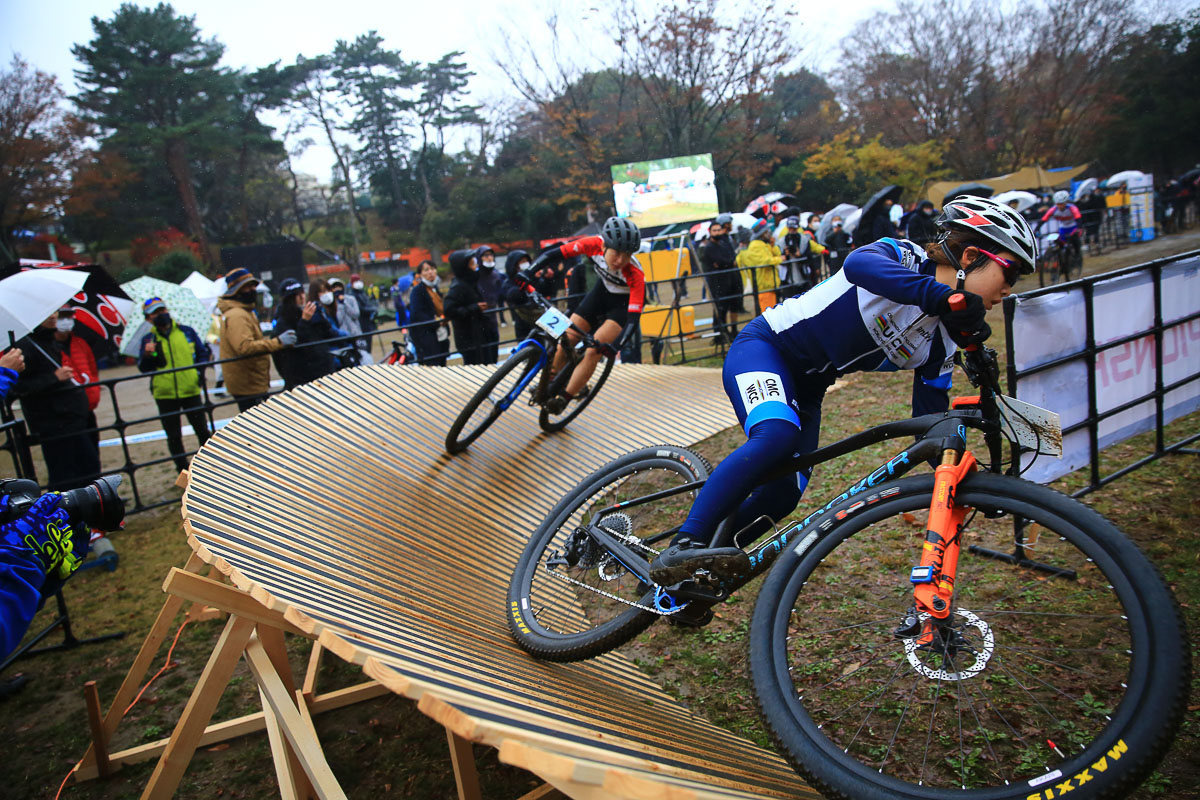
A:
[(248, 379)]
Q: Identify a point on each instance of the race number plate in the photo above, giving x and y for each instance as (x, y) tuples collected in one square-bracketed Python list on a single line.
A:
[(554, 322)]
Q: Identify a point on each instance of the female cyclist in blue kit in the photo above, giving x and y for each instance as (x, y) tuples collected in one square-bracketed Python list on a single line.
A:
[(887, 309)]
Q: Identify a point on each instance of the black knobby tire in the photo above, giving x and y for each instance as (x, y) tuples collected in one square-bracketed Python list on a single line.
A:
[(554, 612), (1075, 264), (1096, 661), (476, 416), (552, 423)]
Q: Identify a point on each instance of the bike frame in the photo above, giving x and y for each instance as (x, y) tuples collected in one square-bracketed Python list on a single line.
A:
[(544, 344), (937, 436)]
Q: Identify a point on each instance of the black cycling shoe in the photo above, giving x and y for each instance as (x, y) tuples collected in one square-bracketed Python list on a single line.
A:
[(557, 405), (694, 615), (680, 561)]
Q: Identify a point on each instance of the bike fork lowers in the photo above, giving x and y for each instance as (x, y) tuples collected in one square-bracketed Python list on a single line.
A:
[(933, 578)]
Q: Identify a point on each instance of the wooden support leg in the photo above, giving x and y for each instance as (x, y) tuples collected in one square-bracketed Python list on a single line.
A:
[(462, 757), (291, 779), (199, 709), (310, 675), (304, 745), (276, 649), (141, 664)]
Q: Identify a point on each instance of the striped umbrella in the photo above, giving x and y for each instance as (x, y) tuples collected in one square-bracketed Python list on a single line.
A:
[(185, 307)]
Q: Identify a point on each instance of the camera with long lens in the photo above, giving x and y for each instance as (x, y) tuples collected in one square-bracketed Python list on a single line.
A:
[(96, 505)]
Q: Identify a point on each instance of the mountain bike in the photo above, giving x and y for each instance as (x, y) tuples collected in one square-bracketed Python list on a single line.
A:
[(966, 633), (1058, 260), (527, 362)]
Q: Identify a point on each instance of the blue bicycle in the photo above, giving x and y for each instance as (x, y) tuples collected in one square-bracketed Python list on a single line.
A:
[(525, 364)]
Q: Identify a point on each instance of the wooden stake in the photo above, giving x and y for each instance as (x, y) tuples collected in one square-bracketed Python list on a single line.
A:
[(91, 697)]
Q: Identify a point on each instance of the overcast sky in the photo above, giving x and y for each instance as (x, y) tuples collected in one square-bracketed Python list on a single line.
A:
[(257, 33)]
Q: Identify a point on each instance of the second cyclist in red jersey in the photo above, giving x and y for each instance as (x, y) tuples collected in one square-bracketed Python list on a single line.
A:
[(611, 309)]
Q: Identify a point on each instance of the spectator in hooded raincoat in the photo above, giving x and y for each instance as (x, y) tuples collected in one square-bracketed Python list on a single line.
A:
[(491, 289), (921, 229), (465, 307)]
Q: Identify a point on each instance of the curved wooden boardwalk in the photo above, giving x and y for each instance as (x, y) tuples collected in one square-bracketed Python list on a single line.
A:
[(337, 505)]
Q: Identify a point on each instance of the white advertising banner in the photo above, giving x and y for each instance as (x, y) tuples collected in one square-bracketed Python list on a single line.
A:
[(1053, 326)]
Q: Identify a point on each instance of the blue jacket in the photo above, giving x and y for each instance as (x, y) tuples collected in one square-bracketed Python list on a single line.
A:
[(8, 379)]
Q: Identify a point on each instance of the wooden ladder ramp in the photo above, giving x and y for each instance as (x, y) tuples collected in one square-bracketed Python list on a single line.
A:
[(334, 513)]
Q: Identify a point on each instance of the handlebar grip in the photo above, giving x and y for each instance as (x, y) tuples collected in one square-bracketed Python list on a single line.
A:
[(958, 301)]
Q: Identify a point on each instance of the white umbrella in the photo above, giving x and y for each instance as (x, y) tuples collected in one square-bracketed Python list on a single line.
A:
[(742, 220), (842, 210), (1086, 186), (182, 303), (850, 224), (206, 291), (1024, 199), (29, 297), (1122, 178)]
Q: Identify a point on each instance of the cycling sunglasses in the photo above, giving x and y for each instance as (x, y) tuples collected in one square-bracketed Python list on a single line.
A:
[(1012, 270)]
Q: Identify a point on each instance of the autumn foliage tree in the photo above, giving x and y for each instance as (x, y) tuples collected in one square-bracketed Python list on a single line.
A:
[(1002, 86), (39, 141)]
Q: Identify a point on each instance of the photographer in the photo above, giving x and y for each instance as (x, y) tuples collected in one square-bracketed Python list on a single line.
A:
[(43, 540), (38, 551)]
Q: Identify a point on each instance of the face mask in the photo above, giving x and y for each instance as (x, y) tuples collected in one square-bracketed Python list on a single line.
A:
[(489, 263), (433, 284), (64, 325), (248, 297), (929, 212), (357, 285), (325, 297), (162, 321)]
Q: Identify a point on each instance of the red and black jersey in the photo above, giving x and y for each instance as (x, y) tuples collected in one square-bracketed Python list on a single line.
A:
[(630, 280)]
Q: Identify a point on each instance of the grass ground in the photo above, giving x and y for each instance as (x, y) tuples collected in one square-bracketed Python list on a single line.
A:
[(385, 747)]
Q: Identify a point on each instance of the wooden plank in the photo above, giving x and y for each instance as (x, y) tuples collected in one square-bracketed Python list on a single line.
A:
[(190, 586), (241, 726), (198, 711), (310, 674), (281, 755), (276, 650), (305, 746), (543, 792)]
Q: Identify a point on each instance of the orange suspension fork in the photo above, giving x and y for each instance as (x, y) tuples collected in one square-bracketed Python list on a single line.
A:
[(934, 578)]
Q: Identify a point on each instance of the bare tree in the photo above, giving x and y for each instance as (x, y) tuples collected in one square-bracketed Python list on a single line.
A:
[(39, 141), (1002, 86)]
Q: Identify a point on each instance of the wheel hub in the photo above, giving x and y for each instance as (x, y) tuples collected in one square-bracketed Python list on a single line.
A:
[(965, 657)]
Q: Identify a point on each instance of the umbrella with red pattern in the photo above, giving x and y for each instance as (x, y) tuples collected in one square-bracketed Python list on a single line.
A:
[(770, 203)]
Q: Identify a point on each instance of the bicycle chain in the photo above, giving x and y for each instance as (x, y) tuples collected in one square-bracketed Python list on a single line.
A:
[(602, 593)]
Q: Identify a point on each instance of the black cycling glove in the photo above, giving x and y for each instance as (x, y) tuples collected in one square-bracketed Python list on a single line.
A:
[(966, 326)]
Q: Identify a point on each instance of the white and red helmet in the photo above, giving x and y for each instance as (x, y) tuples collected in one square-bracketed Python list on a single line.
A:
[(994, 221)]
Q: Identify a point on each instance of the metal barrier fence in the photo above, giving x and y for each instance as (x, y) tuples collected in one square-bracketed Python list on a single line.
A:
[(123, 429), (1093, 352), (691, 329)]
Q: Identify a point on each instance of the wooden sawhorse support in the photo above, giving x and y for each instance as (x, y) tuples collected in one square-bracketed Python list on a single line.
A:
[(256, 633)]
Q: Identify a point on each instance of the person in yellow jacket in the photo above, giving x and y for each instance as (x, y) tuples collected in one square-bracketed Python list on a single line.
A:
[(764, 257), (166, 352), (248, 379)]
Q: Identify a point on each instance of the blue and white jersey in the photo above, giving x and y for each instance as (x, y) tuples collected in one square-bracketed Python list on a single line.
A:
[(877, 313)]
